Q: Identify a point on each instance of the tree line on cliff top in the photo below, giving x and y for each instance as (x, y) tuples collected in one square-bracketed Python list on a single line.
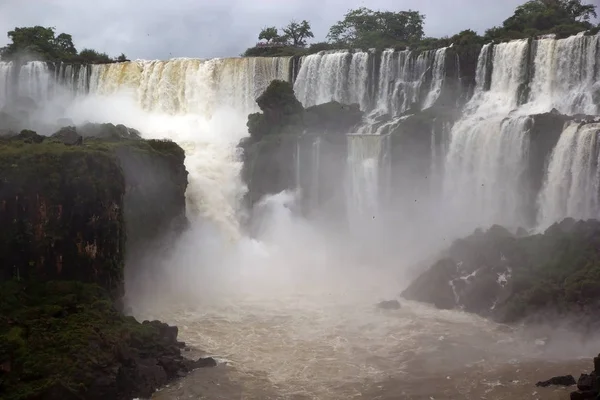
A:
[(360, 28), (38, 43), (365, 28)]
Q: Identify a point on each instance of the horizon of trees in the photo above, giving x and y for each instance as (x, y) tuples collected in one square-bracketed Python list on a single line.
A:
[(39, 43), (365, 28)]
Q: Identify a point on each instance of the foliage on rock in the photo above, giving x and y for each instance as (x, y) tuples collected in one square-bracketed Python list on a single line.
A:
[(66, 340), (511, 277), (64, 201)]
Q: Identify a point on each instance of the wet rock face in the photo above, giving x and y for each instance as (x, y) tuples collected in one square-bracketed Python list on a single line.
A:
[(64, 201), (514, 277)]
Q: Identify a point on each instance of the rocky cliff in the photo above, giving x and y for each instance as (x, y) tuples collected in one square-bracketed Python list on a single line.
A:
[(69, 202), (73, 206), (284, 132)]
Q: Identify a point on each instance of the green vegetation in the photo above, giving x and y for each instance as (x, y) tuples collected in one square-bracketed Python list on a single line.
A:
[(291, 42), (365, 28), (40, 43), (71, 224), (66, 340), (550, 274), (537, 17), (67, 205)]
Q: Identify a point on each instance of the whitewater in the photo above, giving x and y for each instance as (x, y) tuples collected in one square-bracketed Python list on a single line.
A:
[(290, 312)]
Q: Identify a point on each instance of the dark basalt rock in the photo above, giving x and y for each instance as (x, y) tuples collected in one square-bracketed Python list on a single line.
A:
[(69, 136), (512, 277), (588, 385), (62, 255), (389, 305), (566, 380)]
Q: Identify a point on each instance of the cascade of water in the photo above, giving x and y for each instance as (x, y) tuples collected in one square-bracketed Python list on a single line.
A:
[(572, 183), (437, 78), (201, 104), (35, 81), (339, 76), (184, 86), (5, 82), (487, 155), (485, 169), (365, 153), (316, 169), (566, 75)]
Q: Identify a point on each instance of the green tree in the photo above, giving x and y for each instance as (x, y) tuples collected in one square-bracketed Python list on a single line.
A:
[(35, 42), (364, 27), (269, 34), (297, 32), (40, 43), (64, 46), (93, 57), (122, 58), (563, 17)]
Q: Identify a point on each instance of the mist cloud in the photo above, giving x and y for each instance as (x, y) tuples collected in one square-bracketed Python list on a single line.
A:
[(158, 29)]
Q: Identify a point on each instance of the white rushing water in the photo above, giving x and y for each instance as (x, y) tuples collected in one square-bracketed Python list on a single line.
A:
[(201, 104), (367, 163), (566, 75), (340, 76), (572, 184), (488, 147)]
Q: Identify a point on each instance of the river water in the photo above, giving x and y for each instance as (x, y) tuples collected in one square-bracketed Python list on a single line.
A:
[(282, 335)]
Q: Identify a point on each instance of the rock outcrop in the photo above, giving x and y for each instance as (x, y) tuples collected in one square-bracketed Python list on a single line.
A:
[(73, 206), (64, 201), (588, 385), (509, 277), (285, 131)]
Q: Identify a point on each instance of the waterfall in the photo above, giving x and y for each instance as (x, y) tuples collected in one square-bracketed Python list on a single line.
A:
[(566, 75), (73, 78), (367, 159), (401, 76), (437, 78), (316, 170), (35, 81), (201, 104), (488, 151), (191, 86), (572, 183), (5, 82), (339, 76)]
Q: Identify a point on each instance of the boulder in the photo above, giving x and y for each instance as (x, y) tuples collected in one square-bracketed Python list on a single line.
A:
[(389, 305), (566, 380), (588, 385), (69, 136)]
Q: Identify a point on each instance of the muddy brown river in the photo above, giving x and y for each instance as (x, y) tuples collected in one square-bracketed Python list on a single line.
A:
[(316, 335)]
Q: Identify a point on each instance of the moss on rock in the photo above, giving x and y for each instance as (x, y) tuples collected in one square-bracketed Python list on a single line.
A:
[(511, 277), (66, 340)]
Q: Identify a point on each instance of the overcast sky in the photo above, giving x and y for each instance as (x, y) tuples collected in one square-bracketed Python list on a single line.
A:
[(159, 29)]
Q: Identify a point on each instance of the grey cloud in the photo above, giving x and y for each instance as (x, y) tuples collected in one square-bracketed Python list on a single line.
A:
[(219, 28)]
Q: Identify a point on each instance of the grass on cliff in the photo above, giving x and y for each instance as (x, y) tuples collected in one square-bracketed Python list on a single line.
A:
[(62, 332)]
